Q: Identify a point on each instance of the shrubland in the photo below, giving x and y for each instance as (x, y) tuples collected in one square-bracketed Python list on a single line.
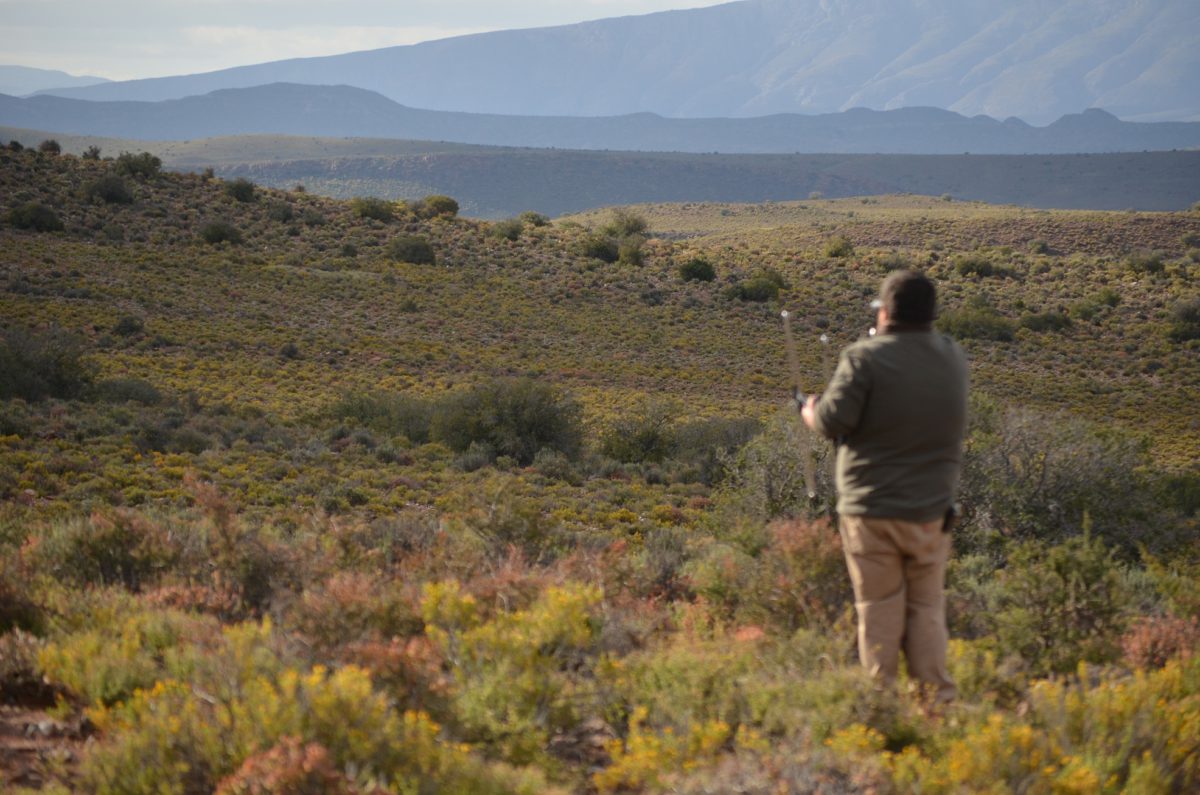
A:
[(303, 513)]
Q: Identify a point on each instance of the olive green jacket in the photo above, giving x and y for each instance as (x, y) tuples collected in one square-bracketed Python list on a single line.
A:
[(898, 405)]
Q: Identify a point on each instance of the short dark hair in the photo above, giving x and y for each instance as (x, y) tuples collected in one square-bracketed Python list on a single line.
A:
[(909, 298)]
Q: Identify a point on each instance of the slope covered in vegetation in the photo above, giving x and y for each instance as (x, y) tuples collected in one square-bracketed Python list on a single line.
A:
[(361, 496)]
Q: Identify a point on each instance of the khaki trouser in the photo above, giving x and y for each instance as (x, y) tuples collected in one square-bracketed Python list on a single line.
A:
[(898, 569)]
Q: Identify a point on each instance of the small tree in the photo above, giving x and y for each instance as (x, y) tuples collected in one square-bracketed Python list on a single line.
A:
[(1185, 321), (697, 270), (533, 219), (629, 250), (110, 189), (839, 246), (513, 417), (215, 232), (142, 166), (625, 223), (438, 205), (35, 216), (241, 189), (91, 153), (37, 366), (50, 147), (509, 229), (600, 247), (373, 207), (411, 248), (645, 436)]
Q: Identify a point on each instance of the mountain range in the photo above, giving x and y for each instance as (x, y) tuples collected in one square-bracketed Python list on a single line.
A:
[(1137, 59), (344, 111), (22, 80)]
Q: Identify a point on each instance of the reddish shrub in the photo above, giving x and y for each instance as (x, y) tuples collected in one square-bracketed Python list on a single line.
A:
[(289, 768), (1153, 642), (802, 580)]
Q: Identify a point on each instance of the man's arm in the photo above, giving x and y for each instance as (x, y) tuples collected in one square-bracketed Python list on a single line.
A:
[(836, 413)]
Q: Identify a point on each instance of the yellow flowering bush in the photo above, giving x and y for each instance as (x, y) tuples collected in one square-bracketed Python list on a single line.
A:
[(178, 737), (518, 675), (647, 757)]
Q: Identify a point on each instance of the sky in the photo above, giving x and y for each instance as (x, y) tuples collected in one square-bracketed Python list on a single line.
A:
[(128, 39)]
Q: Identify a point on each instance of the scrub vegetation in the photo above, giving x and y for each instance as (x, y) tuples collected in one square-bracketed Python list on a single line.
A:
[(364, 496)]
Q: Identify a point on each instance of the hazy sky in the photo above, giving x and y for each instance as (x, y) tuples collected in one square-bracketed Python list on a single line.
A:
[(124, 39)]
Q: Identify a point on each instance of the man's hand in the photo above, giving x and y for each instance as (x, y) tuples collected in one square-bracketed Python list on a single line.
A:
[(808, 412)]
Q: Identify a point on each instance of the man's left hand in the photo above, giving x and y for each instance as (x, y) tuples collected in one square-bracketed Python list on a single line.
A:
[(808, 413)]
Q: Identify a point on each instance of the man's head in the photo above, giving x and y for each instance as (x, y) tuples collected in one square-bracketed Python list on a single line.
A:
[(908, 298)]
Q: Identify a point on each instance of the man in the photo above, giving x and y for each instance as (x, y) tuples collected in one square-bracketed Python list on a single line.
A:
[(898, 405)]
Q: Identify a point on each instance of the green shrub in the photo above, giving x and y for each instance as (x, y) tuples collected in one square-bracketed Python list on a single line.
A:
[(215, 232), (47, 364), (509, 229), (516, 417), (697, 270), (533, 219), (1045, 321), (128, 325), (119, 548), (1146, 262), (50, 147), (705, 446), (241, 189), (411, 248), (600, 247), (393, 414), (895, 261), (839, 246), (1185, 321), (35, 216), (144, 165), (280, 211), (91, 153), (757, 289), (1034, 475), (110, 189), (765, 479), (373, 207), (438, 205), (1059, 605), (629, 250), (625, 223), (128, 390), (977, 266), (977, 320), (645, 436)]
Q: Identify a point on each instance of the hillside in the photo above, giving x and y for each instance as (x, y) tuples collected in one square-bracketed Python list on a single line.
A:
[(342, 111), (355, 495), (495, 182), (761, 57)]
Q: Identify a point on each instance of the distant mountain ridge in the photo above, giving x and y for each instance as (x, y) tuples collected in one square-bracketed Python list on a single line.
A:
[(290, 109), (21, 80), (1137, 59)]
